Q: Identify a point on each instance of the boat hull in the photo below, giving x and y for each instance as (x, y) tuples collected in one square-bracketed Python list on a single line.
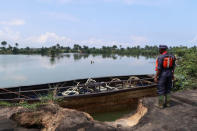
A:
[(107, 102), (110, 100)]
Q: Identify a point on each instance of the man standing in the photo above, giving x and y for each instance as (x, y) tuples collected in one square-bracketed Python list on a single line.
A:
[(165, 66)]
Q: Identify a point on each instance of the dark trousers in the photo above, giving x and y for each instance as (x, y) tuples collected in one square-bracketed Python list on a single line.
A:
[(165, 82)]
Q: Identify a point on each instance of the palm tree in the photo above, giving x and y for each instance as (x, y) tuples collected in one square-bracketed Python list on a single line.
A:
[(58, 45), (16, 44), (9, 47), (4, 43)]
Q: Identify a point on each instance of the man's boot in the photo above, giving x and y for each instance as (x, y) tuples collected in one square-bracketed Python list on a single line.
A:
[(161, 102), (167, 100)]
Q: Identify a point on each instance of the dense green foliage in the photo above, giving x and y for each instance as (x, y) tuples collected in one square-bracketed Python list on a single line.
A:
[(186, 71)]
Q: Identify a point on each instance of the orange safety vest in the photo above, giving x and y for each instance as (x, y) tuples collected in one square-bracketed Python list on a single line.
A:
[(156, 68), (167, 62)]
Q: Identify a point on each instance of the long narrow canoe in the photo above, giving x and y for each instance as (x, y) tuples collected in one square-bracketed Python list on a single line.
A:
[(90, 95)]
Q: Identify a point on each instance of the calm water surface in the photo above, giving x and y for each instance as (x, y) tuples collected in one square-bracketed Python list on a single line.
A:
[(112, 116), (17, 70)]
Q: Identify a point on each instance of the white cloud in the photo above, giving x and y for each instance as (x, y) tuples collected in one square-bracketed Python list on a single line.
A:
[(194, 40), (99, 43), (138, 40), (15, 22), (8, 34), (45, 39), (50, 38)]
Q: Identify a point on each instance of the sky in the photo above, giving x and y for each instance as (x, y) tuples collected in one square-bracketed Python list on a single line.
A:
[(37, 23)]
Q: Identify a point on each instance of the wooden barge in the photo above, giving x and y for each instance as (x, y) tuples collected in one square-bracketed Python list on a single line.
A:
[(89, 95)]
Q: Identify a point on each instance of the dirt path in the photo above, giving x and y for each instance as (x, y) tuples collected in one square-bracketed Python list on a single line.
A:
[(182, 116)]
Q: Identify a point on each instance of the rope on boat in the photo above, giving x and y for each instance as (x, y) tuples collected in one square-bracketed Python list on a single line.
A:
[(67, 93), (115, 80), (17, 93), (90, 81), (111, 88), (71, 91), (133, 78), (132, 81), (91, 86), (74, 90)]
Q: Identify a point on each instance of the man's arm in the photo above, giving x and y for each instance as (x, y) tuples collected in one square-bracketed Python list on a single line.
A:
[(174, 66), (158, 68), (157, 76)]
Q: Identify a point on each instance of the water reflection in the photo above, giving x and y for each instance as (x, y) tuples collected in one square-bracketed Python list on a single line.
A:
[(54, 59), (18, 70), (78, 56)]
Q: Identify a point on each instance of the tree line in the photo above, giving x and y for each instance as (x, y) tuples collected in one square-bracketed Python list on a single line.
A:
[(57, 49)]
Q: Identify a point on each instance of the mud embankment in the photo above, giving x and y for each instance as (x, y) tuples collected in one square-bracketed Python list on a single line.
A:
[(52, 117), (182, 115)]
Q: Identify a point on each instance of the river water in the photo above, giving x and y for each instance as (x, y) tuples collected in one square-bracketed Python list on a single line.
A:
[(18, 70)]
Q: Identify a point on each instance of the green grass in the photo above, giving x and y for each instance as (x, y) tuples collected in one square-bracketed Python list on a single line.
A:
[(50, 97), (6, 104), (22, 104)]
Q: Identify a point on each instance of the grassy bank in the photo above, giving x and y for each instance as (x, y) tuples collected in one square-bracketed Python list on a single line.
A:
[(50, 98)]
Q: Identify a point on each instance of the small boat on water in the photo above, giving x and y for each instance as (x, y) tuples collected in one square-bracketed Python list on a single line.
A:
[(90, 95)]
